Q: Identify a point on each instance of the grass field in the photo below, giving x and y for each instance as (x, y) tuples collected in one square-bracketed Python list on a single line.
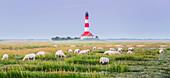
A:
[(145, 63)]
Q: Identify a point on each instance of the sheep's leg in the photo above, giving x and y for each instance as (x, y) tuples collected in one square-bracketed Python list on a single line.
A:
[(28, 59), (33, 58)]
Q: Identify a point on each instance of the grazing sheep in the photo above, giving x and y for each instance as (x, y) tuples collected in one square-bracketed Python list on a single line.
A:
[(55, 45), (112, 49), (130, 52), (161, 51), (100, 48), (119, 45), (107, 52), (76, 50), (130, 48), (104, 60), (120, 49), (28, 56), (115, 52), (70, 51), (140, 45), (84, 52), (72, 45), (94, 48), (41, 53), (60, 53), (163, 45), (5, 56)]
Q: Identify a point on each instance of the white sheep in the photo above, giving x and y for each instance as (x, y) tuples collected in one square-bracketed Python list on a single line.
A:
[(107, 52), (5, 56), (84, 52), (72, 45), (140, 45), (70, 51), (94, 48), (119, 45), (104, 60), (112, 49), (130, 52), (55, 45), (100, 48), (120, 49), (60, 53), (41, 53), (28, 56), (161, 51), (115, 52), (76, 50), (130, 48)]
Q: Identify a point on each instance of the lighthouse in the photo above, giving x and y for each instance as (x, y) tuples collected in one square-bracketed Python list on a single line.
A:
[(87, 34)]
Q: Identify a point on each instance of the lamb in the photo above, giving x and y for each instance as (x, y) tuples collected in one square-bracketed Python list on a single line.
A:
[(70, 51), (41, 53), (94, 48), (130, 48), (112, 49), (28, 56), (120, 49), (84, 52), (5, 56), (76, 50), (130, 52), (161, 51), (100, 48), (60, 53), (104, 60)]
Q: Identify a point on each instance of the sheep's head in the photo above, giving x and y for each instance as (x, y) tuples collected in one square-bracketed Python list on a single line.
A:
[(65, 56)]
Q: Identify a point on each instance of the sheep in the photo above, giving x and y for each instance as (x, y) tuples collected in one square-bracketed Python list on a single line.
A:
[(100, 48), (120, 49), (107, 52), (115, 52), (5, 56), (111, 52), (94, 48), (130, 52), (161, 51), (72, 45), (84, 52), (60, 53), (28, 56), (112, 49), (140, 45), (119, 45), (76, 50), (70, 51), (130, 48), (104, 60), (41, 53), (55, 45)]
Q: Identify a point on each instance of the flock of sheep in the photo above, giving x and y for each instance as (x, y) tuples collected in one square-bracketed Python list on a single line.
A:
[(60, 53)]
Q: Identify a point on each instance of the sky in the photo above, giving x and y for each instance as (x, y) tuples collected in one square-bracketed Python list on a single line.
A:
[(44, 19)]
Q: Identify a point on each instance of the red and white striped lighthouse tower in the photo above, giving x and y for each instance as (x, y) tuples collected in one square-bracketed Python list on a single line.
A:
[(86, 34)]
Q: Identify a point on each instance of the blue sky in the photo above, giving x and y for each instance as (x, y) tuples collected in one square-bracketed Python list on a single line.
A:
[(108, 18)]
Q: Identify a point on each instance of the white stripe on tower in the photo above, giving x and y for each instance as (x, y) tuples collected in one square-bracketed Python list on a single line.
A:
[(86, 21), (86, 29)]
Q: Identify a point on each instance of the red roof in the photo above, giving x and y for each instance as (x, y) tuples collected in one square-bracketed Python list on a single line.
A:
[(87, 34)]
